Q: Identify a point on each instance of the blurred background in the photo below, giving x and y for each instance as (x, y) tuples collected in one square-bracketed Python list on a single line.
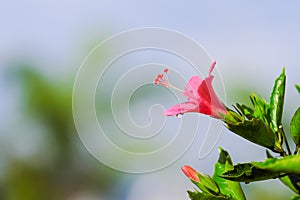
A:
[(42, 44)]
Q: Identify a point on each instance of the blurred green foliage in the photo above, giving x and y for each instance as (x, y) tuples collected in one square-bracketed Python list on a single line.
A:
[(71, 171)]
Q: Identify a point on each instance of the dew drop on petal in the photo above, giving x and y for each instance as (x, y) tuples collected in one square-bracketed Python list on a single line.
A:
[(179, 116)]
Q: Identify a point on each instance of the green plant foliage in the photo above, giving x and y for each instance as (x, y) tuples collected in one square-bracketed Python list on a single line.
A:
[(228, 188), (296, 197), (270, 168), (65, 167), (261, 107), (295, 127), (298, 88), (292, 181), (218, 187), (288, 164), (261, 124), (209, 185), (246, 111), (276, 107), (206, 184), (247, 172), (204, 196), (277, 101), (254, 130)]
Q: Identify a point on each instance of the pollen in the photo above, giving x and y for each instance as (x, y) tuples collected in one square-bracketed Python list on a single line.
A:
[(163, 80)]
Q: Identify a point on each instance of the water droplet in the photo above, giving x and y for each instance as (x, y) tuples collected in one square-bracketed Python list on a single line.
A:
[(179, 116)]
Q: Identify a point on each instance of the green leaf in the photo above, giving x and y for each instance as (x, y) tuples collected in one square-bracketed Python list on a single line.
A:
[(254, 130), (204, 196), (277, 101), (288, 164), (233, 118), (270, 168), (260, 107), (261, 124), (247, 172), (292, 181), (295, 127), (209, 183), (206, 184), (296, 197), (228, 188), (201, 187), (298, 88), (276, 107), (245, 110)]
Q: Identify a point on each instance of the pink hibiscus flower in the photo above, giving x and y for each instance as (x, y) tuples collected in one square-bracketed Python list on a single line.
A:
[(190, 173), (200, 95)]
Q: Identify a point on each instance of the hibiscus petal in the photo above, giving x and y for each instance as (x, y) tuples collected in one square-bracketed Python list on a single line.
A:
[(209, 102), (182, 108), (201, 97), (191, 88), (212, 67), (205, 90)]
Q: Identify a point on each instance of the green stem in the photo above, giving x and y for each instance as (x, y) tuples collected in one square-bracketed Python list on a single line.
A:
[(285, 139), (297, 148)]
